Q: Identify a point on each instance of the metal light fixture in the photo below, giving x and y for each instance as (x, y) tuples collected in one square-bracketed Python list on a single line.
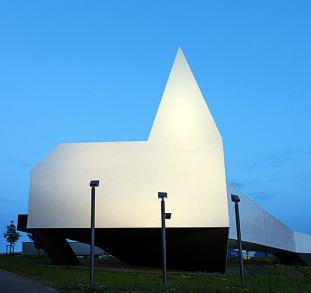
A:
[(236, 201), (164, 216), (93, 184)]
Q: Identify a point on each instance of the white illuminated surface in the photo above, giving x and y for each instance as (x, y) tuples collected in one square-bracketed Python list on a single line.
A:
[(183, 157), (261, 228)]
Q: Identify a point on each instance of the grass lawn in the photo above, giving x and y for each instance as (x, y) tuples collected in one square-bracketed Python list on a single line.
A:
[(260, 278)]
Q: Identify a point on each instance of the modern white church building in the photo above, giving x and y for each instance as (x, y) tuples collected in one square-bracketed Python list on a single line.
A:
[(183, 156)]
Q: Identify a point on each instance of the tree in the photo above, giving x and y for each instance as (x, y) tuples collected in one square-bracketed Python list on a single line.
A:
[(11, 236)]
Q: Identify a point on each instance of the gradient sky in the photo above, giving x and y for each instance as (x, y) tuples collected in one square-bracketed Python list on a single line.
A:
[(87, 71)]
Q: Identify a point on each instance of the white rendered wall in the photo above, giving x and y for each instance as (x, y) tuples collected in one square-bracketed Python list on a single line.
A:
[(259, 227), (303, 242), (183, 157)]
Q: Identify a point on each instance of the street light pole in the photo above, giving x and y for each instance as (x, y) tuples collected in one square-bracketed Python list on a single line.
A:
[(163, 240), (93, 184), (164, 216), (236, 201)]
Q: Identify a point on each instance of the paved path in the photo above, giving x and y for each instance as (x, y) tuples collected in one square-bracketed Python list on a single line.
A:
[(13, 283)]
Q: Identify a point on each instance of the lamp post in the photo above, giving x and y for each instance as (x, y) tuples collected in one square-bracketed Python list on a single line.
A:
[(93, 184), (236, 201), (164, 216)]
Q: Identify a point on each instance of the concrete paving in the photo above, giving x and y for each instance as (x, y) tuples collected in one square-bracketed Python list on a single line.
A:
[(13, 283)]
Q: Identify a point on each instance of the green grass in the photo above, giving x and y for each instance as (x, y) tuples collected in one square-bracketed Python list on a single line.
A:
[(260, 278)]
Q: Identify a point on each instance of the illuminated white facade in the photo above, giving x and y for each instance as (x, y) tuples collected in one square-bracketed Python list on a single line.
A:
[(183, 156)]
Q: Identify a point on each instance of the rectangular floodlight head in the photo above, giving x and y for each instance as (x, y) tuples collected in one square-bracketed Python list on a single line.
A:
[(162, 194), (168, 216), (94, 183), (235, 198)]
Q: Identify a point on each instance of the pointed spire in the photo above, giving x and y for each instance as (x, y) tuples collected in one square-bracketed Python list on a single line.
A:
[(183, 116)]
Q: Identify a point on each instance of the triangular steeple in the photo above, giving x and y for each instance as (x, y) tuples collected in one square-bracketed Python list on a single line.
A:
[(183, 117)]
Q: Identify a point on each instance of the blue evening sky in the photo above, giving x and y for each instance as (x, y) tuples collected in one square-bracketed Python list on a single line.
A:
[(77, 71)]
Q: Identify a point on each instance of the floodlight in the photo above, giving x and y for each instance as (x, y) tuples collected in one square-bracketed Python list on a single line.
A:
[(235, 198), (236, 201), (168, 216), (94, 183), (162, 194), (164, 216)]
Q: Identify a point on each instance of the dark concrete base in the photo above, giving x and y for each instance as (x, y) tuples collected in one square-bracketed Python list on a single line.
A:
[(56, 247), (293, 259), (187, 248), (286, 257), (52, 241)]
